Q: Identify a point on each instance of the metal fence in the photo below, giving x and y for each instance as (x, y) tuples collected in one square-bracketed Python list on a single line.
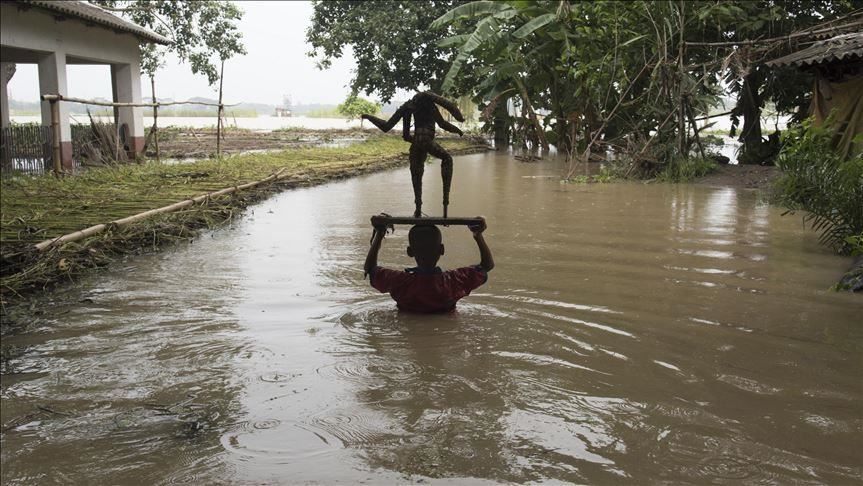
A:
[(26, 148)]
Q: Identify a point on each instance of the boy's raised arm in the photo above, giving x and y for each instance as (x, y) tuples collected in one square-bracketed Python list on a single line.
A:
[(486, 260), (372, 257)]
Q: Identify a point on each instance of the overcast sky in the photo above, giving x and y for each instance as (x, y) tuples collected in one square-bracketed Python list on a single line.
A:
[(276, 65)]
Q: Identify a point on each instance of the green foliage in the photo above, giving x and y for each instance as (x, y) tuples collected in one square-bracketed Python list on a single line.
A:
[(756, 85), (815, 179), (711, 139), (606, 174), (855, 244), (204, 32), (687, 169), (603, 71), (584, 62), (390, 40), (354, 106)]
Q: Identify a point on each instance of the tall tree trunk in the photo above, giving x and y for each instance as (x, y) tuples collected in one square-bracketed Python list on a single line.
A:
[(500, 122), (540, 134), (749, 105), (562, 130), (221, 107)]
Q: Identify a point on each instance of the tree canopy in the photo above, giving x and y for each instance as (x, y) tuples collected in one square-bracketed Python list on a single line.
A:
[(354, 106), (610, 73), (390, 40), (203, 32), (605, 69)]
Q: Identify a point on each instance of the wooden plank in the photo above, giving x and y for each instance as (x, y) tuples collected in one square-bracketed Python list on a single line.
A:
[(381, 219)]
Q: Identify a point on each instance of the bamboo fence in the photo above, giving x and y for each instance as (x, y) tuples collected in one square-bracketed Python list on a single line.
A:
[(55, 99)]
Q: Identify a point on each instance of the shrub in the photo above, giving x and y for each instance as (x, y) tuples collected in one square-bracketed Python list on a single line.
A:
[(817, 180), (682, 170)]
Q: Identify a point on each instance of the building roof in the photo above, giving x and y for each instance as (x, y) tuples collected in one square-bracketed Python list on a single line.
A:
[(838, 48), (92, 14)]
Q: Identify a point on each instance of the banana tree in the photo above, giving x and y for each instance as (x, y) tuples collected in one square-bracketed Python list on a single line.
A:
[(496, 45)]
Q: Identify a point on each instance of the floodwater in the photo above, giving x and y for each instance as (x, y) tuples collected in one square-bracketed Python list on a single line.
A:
[(630, 334)]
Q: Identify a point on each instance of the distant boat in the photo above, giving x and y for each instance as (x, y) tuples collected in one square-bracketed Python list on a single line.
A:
[(283, 112)]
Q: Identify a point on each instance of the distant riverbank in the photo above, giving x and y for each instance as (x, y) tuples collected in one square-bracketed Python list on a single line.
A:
[(261, 123)]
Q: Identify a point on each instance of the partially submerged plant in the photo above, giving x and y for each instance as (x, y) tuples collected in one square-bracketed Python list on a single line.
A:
[(817, 180)]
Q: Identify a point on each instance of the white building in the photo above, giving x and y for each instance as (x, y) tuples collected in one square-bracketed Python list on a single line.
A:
[(53, 34)]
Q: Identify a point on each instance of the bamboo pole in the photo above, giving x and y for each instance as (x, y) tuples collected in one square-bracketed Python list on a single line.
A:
[(707, 117), (785, 38), (96, 229), (69, 99), (55, 133), (155, 118)]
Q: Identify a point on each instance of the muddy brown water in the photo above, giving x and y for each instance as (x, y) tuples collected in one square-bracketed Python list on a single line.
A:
[(630, 334)]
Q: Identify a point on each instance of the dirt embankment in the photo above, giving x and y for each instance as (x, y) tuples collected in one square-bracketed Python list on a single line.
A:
[(741, 176)]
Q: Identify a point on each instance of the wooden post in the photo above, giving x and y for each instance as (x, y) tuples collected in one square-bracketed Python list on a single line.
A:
[(155, 118), (55, 134), (221, 107)]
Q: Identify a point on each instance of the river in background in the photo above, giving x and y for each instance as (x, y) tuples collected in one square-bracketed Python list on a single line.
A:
[(262, 123), (631, 333)]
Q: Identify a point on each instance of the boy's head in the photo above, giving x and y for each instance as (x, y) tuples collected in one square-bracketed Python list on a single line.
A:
[(425, 245)]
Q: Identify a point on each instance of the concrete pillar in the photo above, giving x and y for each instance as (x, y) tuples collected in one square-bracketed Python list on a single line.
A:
[(126, 84), (52, 80), (7, 70)]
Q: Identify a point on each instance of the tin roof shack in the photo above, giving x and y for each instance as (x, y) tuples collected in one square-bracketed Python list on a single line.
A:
[(53, 34), (838, 67)]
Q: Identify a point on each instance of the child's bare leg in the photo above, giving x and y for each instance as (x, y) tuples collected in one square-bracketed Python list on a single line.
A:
[(417, 161)]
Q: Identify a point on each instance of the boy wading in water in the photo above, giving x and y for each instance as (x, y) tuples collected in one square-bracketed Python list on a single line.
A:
[(426, 288)]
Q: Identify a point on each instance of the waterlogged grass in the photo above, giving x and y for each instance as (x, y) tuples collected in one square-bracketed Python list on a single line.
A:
[(684, 170), (33, 209), (816, 179)]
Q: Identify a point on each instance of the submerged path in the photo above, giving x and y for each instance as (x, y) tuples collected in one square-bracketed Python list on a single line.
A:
[(630, 333)]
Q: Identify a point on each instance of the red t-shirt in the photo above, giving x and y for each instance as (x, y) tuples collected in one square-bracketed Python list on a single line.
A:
[(427, 290)]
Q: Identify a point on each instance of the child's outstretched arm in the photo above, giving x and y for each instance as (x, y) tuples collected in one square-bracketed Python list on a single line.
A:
[(372, 257), (486, 260)]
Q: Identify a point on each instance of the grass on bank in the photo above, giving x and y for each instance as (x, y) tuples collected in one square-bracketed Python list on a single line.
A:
[(685, 170), (33, 209)]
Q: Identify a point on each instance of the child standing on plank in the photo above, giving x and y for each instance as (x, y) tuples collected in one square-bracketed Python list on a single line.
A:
[(426, 288)]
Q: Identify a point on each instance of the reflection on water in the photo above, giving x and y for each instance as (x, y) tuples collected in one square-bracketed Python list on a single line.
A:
[(630, 333)]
